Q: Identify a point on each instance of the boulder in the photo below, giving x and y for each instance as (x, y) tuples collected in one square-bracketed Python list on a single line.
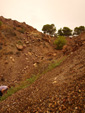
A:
[(19, 47)]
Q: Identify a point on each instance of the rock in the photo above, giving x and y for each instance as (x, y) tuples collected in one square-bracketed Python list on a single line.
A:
[(35, 64), (14, 102), (26, 66), (26, 58), (27, 42), (24, 45), (76, 107), (71, 53), (11, 57), (54, 82), (19, 47), (13, 60), (6, 62), (54, 54), (29, 53), (8, 106), (25, 54), (36, 55), (79, 91), (77, 88)]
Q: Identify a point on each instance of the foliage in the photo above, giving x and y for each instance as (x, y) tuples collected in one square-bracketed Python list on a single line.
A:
[(60, 32), (50, 29), (33, 78), (56, 63), (65, 31), (78, 30), (60, 42)]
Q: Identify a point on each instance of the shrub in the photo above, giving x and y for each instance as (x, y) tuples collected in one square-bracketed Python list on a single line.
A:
[(60, 42)]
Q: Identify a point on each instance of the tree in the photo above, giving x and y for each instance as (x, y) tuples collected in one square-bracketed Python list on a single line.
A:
[(65, 31), (60, 32), (50, 29), (78, 30)]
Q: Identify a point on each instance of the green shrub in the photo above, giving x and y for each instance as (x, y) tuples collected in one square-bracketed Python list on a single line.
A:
[(60, 42)]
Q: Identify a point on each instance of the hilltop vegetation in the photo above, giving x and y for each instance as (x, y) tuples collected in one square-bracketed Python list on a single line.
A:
[(65, 31)]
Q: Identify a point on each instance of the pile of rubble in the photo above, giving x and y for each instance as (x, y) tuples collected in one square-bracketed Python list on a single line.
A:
[(74, 44)]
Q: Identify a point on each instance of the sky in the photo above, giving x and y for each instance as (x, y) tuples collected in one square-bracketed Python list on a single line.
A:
[(61, 13)]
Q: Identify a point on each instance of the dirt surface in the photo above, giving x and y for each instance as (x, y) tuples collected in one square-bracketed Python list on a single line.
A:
[(22, 50), (60, 90)]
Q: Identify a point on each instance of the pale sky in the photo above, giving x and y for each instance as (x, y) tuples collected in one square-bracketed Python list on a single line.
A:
[(62, 13)]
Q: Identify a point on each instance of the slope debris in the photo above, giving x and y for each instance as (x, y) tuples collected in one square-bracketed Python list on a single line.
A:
[(22, 49), (59, 90), (74, 43)]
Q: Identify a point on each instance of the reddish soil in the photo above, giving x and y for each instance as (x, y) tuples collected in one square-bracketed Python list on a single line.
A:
[(60, 90), (34, 48)]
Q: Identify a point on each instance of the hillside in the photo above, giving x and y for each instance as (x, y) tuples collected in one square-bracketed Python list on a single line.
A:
[(58, 88), (22, 49)]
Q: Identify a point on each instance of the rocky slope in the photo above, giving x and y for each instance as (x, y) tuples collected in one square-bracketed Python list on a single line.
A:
[(60, 90), (22, 49)]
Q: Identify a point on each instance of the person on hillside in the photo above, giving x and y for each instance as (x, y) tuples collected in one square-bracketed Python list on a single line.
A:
[(3, 89)]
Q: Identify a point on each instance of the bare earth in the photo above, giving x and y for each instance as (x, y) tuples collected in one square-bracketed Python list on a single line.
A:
[(60, 90)]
